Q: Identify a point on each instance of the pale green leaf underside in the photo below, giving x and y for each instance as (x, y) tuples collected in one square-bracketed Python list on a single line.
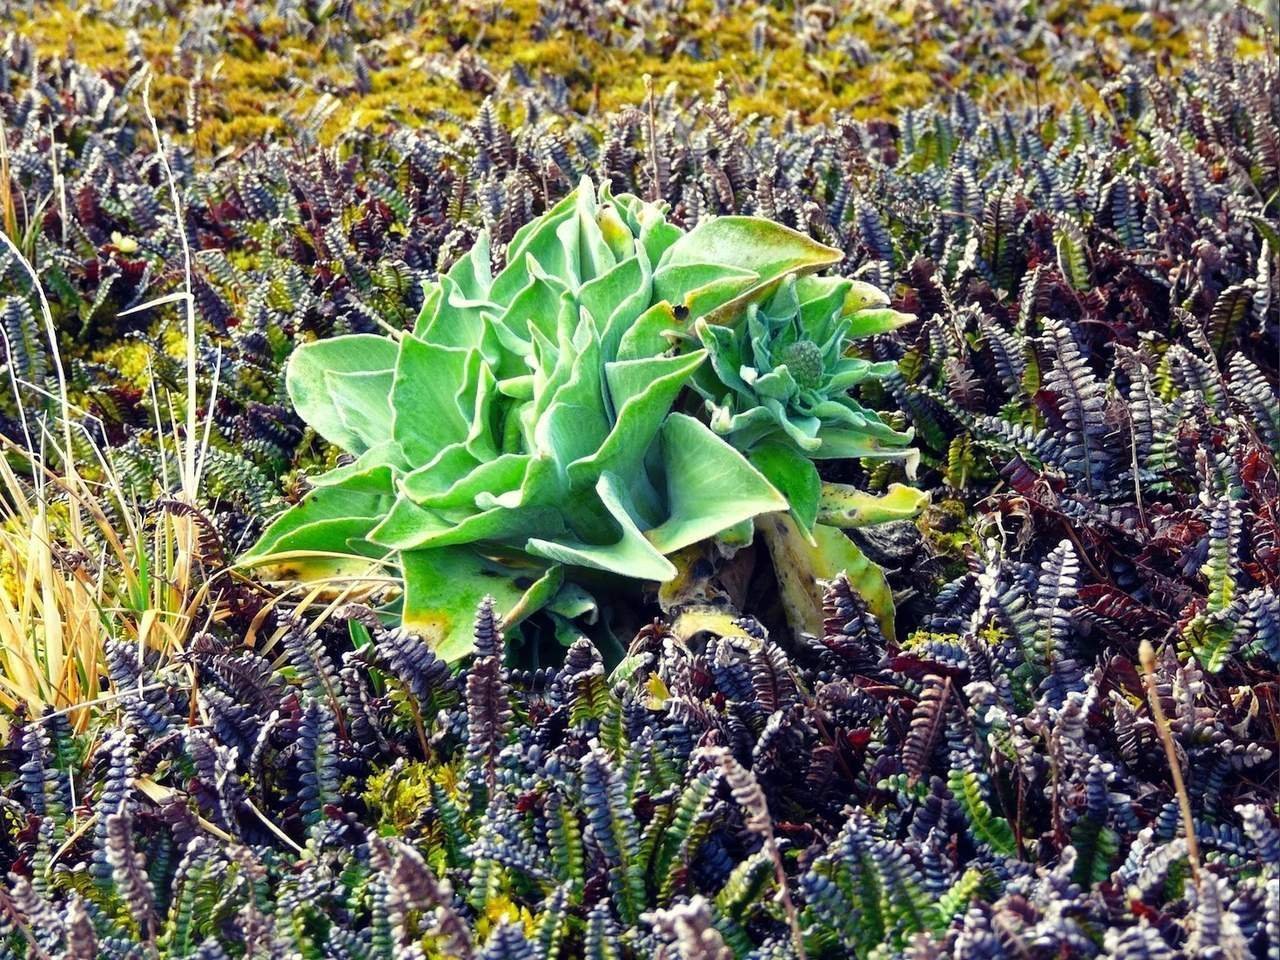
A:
[(710, 486), (631, 555), (321, 387)]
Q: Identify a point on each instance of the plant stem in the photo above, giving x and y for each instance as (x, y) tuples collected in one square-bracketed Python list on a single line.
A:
[(1148, 657)]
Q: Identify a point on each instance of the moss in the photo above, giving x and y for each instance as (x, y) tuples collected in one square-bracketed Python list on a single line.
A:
[(397, 796), (922, 638), (946, 528), (267, 77), (129, 359)]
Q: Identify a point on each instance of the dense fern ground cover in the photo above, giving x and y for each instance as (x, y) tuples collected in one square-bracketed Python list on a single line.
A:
[(1038, 717)]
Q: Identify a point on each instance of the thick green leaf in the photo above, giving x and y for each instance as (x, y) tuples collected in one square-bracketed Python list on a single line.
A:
[(617, 233), (575, 422), (727, 361), (462, 301), (851, 371), (362, 498), (536, 235), (869, 323), (631, 555), (770, 250), (431, 295), (702, 287), (408, 526), (333, 520), (656, 234), (438, 475), (377, 479), (796, 478), (582, 237), (538, 242), (573, 602), (710, 486), (862, 296), (443, 587), (651, 334), (426, 397), (472, 276), (844, 506), (361, 405), (320, 394), (820, 297), (497, 476), (479, 406), (841, 444), (616, 299), (642, 392), (539, 595), (366, 467)]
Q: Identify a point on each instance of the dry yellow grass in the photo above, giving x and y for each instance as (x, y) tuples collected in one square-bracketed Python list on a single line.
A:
[(82, 563), (72, 581)]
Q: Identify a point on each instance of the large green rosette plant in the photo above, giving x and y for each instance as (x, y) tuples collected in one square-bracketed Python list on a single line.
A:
[(526, 424), (777, 386)]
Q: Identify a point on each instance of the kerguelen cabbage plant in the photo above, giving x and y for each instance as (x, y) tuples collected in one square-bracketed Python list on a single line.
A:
[(777, 387), (526, 423)]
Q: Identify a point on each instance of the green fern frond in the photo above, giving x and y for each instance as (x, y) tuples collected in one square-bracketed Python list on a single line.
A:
[(994, 831)]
